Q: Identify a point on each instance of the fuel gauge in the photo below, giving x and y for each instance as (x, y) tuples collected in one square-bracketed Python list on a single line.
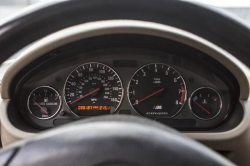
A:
[(205, 103), (44, 102)]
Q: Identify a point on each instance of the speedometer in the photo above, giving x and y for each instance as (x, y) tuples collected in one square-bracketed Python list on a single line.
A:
[(93, 89), (157, 90)]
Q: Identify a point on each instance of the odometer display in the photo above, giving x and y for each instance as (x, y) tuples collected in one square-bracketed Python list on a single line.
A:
[(157, 90), (93, 89)]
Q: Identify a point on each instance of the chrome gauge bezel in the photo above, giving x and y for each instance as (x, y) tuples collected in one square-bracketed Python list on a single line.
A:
[(157, 64), (190, 107), (86, 64), (59, 96)]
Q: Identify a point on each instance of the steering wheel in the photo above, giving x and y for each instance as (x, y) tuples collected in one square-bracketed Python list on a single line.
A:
[(113, 140)]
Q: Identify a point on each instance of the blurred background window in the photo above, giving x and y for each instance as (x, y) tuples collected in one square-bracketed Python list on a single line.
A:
[(240, 8)]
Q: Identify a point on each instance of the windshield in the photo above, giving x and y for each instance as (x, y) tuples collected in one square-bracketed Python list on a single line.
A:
[(224, 3)]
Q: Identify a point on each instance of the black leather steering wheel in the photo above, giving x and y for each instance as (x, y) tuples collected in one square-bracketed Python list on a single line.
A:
[(117, 140), (111, 141)]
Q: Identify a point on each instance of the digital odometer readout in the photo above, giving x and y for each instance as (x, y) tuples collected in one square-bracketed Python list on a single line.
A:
[(93, 89), (90, 110)]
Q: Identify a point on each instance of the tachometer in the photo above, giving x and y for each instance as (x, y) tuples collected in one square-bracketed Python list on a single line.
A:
[(93, 89), (157, 90)]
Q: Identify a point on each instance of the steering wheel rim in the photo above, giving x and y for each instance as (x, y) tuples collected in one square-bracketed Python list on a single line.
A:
[(70, 13), (113, 140)]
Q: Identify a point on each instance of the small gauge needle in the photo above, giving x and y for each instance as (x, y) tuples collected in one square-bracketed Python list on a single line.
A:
[(85, 95), (162, 89), (46, 112), (202, 107)]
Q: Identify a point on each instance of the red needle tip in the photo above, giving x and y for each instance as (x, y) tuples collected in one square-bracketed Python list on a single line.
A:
[(85, 95), (46, 112), (202, 107), (151, 95)]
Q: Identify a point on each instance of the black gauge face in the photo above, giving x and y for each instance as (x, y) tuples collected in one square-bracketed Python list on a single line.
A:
[(157, 90), (44, 102), (205, 103), (93, 89)]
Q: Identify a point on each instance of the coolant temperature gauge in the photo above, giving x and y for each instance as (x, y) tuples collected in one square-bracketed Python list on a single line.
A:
[(205, 103), (44, 102)]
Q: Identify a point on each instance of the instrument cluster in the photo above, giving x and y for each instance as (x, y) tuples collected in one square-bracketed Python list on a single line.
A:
[(156, 90), (184, 92)]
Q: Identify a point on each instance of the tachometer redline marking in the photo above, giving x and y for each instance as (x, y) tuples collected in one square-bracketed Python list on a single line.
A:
[(183, 93), (162, 89), (85, 95)]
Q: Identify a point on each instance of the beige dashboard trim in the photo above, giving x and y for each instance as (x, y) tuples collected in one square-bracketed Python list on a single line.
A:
[(9, 133), (86, 30)]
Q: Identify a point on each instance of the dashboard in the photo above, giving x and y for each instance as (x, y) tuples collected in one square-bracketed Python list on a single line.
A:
[(130, 58), (166, 81)]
